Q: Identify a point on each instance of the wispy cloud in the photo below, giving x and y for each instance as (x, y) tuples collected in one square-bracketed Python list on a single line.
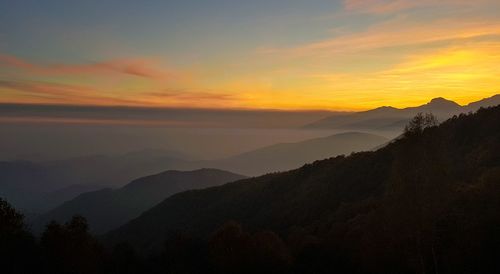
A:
[(392, 6), (191, 95), (135, 67), (378, 6), (195, 98), (395, 33), (47, 92)]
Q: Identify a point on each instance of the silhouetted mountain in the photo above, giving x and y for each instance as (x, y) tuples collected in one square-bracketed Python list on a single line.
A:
[(106, 209), (393, 119), (38, 187), (487, 102), (423, 203), (55, 198), (441, 104), (286, 156), (115, 170)]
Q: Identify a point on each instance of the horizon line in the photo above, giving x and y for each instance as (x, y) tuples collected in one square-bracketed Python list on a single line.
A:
[(208, 109)]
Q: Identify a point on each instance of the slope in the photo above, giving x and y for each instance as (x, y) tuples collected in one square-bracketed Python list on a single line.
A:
[(107, 209), (428, 197), (286, 156), (394, 119)]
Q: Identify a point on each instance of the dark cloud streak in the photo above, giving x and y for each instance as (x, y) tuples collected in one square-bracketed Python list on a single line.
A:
[(170, 116)]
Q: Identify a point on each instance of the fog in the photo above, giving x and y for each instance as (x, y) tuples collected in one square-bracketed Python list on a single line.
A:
[(52, 132), (50, 142)]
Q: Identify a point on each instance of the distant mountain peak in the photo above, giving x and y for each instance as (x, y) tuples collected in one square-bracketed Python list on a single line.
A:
[(394, 119), (386, 107), (382, 109), (442, 102)]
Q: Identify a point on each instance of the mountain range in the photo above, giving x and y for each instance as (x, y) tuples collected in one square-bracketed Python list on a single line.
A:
[(286, 156), (394, 119), (39, 187), (426, 201), (106, 209), (36, 187)]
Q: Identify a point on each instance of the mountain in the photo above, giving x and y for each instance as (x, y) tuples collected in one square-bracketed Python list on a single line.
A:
[(106, 209), (487, 102), (36, 187), (425, 203), (114, 170), (286, 156), (394, 119), (55, 198)]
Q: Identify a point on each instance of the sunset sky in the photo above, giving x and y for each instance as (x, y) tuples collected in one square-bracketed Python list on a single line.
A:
[(260, 54)]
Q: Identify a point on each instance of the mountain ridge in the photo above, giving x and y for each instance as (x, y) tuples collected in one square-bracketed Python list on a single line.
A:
[(285, 156), (107, 208), (393, 119), (346, 199)]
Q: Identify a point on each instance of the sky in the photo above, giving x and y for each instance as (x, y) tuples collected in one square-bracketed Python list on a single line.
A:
[(260, 54)]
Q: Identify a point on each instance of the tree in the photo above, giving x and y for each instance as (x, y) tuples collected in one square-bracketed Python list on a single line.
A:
[(231, 249), (420, 122), (11, 221), (70, 248), (184, 254), (17, 245), (271, 254)]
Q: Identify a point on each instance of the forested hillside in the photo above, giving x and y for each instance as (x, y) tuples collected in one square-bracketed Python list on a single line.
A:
[(424, 203), (107, 209)]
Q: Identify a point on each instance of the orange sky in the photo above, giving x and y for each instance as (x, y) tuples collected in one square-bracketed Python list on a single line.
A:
[(356, 55)]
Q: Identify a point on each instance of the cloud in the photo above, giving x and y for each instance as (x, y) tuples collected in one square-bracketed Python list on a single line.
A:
[(396, 33), (398, 53), (44, 88), (194, 98), (392, 6), (192, 95), (46, 92), (49, 92), (154, 116), (378, 6), (136, 67), (449, 21)]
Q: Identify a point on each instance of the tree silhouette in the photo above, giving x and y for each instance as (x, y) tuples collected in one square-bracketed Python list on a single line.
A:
[(69, 248), (231, 249), (11, 221), (17, 245), (420, 122)]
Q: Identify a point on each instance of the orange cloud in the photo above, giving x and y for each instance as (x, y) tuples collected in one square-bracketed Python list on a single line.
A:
[(191, 95), (193, 98), (46, 92), (394, 33), (24, 91), (136, 67)]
